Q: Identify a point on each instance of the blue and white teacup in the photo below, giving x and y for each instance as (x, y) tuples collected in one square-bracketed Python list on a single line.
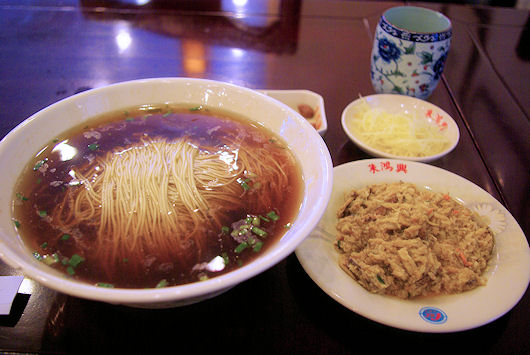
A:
[(409, 52)]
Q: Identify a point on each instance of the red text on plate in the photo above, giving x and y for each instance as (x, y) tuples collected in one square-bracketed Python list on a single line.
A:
[(387, 166), (401, 167), (438, 119)]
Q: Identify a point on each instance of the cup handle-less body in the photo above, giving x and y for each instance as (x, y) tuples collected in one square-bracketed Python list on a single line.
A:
[(410, 48)]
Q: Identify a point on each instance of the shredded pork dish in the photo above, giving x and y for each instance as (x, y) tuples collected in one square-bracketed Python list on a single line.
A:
[(397, 239)]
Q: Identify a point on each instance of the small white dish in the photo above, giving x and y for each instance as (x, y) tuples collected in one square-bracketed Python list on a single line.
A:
[(401, 104), (507, 274), (294, 98)]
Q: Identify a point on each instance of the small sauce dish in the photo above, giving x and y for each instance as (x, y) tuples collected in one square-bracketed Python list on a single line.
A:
[(420, 111), (300, 99)]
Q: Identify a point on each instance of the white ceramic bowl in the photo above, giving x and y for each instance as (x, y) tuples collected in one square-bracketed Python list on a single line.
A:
[(23, 142), (401, 104)]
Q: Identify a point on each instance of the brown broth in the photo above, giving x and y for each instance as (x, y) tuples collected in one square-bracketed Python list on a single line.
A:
[(46, 179)]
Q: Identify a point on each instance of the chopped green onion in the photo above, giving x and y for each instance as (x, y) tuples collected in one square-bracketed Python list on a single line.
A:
[(225, 230), (248, 219), (16, 223), (55, 140), (288, 225), (42, 213), (196, 108), (37, 256), (167, 113), (44, 245), (21, 197), (162, 283), (255, 221), (272, 215), (258, 246), (65, 237), (104, 284), (70, 270), (75, 260), (258, 231), (93, 146), (265, 219), (39, 164), (241, 247), (203, 277), (243, 229), (237, 233), (243, 183), (225, 258), (380, 279)]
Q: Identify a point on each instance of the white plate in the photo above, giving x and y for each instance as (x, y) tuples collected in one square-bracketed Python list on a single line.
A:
[(508, 272), (404, 105), (293, 98)]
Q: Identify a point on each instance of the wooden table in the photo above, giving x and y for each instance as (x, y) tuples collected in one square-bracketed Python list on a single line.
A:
[(53, 49)]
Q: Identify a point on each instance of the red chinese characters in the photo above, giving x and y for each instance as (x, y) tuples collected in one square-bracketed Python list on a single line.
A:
[(401, 168), (387, 166), (437, 118)]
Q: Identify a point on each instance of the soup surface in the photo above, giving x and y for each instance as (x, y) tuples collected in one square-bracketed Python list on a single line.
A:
[(157, 195)]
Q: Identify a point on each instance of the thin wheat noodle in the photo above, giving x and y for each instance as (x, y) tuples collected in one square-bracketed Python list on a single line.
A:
[(156, 196)]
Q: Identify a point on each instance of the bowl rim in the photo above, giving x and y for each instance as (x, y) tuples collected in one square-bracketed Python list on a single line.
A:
[(396, 97), (184, 292)]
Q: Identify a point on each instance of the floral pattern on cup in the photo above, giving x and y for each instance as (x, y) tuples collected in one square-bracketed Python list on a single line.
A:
[(407, 63)]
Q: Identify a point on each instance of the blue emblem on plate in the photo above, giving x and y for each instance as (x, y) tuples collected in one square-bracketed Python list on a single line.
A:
[(433, 315)]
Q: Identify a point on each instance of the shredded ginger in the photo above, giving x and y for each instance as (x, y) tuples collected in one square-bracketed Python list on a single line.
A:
[(397, 134)]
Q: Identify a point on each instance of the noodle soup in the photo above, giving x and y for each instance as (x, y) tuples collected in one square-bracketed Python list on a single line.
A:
[(157, 195)]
